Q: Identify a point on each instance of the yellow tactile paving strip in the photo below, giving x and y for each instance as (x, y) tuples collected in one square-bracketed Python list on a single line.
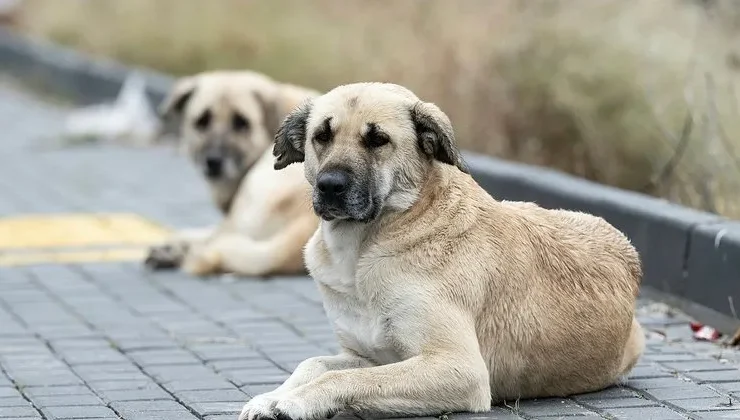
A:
[(63, 238)]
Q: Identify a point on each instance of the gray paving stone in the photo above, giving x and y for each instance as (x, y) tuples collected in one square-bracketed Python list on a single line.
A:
[(254, 390), (256, 377), (14, 401), (166, 373), (46, 379), (550, 407), (94, 357), (163, 357), (198, 385), (646, 413), (662, 357), (134, 344), (655, 383), (39, 391), (690, 391), (163, 415), (121, 385), (611, 392), (229, 353), (700, 366), (716, 377), (149, 394), (495, 413), (80, 412), (228, 395), (66, 400), (647, 372), (706, 404), (6, 392), (727, 386), (722, 414), (208, 408), (234, 364), (145, 406), (102, 376), (227, 417), (18, 412), (605, 403)]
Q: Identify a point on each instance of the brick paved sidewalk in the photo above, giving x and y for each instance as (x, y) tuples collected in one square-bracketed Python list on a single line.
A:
[(112, 341)]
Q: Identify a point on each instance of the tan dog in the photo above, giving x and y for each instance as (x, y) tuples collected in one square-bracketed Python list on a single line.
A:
[(228, 121), (442, 298)]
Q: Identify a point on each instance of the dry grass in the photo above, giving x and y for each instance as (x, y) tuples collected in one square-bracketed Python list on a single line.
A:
[(598, 89)]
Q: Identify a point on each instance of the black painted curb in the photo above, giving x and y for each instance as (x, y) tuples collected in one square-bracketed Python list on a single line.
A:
[(691, 259), (68, 73)]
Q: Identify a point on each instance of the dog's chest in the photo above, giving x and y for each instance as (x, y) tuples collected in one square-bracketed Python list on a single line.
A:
[(364, 330), (360, 324)]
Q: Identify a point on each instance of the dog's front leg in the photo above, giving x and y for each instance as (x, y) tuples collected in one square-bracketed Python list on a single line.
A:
[(305, 373), (447, 374), (420, 386)]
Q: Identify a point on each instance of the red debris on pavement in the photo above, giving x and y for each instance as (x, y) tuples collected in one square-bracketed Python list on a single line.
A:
[(704, 333)]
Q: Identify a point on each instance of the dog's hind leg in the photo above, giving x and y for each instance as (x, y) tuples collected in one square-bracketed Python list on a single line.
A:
[(239, 254), (633, 349), (171, 253)]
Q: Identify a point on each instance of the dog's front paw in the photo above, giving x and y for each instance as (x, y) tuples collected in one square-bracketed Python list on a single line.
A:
[(285, 407), (261, 407), (167, 256)]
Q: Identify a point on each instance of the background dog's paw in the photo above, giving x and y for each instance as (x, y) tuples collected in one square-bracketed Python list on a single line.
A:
[(202, 262), (166, 256)]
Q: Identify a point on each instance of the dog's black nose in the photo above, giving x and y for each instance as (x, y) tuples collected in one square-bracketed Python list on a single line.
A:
[(214, 166), (333, 184)]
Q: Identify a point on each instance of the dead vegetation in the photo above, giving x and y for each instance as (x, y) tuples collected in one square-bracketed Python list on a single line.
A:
[(640, 95)]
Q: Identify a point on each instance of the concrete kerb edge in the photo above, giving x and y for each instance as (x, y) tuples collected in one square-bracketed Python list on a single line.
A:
[(665, 234)]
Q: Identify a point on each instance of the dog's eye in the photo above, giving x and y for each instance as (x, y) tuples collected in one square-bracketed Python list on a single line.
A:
[(322, 137), (203, 121), (375, 138), (239, 122), (323, 134)]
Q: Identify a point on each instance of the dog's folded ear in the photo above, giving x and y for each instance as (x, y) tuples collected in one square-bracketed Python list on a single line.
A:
[(272, 115), (177, 99), (435, 135), (291, 136)]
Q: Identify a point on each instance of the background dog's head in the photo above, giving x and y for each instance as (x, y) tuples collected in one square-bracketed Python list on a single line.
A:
[(227, 120), (366, 147)]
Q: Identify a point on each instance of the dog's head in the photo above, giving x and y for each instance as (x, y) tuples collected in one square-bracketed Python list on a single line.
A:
[(228, 119), (367, 148)]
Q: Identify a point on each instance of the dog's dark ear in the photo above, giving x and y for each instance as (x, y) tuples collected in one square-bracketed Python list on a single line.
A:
[(291, 136), (435, 135), (176, 101)]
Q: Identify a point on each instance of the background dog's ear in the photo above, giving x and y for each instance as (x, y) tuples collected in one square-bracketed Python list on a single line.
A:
[(435, 135), (291, 136), (176, 101), (270, 110), (279, 100)]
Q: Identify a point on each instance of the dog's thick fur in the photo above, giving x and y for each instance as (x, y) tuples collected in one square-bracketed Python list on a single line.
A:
[(228, 121), (443, 298)]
